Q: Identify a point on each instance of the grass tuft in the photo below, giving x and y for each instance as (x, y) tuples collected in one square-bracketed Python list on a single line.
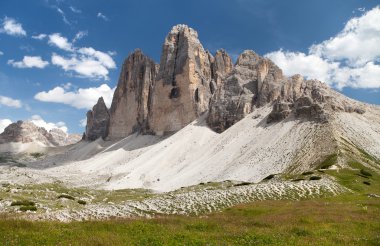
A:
[(23, 203), (243, 184), (36, 155), (307, 173), (66, 196), (315, 178), (365, 173), (28, 208), (328, 162), (82, 202)]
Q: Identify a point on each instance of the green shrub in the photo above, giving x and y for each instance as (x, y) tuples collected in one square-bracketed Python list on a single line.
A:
[(299, 179), (269, 177), (365, 173), (307, 173), (28, 208), (36, 155), (315, 178), (23, 203), (66, 196), (328, 162), (366, 183), (243, 184), (82, 202)]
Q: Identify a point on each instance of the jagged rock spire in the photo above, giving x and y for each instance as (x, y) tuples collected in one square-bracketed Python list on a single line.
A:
[(131, 101), (182, 89), (97, 121)]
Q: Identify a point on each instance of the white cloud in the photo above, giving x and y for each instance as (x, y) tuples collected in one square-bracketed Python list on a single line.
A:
[(83, 122), (38, 121), (59, 41), (10, 102), (83, 98), (4, 123), (1, 53), (67, 86), (29, 62), (102, 16), (358, 42), (12, 27), (87, 63), (80, 35), (75, 10), (350, 59), (60, 11), (39, 36)]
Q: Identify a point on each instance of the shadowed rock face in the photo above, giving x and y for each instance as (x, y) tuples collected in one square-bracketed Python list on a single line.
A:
[(131, 102), (97, 121), (256, 81), (182, 89)]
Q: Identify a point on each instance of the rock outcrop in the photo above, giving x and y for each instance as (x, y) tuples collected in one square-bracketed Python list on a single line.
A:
[(131, 101), (190, 81), (182, 89), (256, 81), (97, 121), (28, 132), (61, 138)]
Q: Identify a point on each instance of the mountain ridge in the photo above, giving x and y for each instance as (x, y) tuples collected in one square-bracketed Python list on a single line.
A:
[(162, 98)]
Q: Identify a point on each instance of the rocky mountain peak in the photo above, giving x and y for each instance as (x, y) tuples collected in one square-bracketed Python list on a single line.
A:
[(97, 121), (182, 88), (190, 81), (131, 102), (28, 132)]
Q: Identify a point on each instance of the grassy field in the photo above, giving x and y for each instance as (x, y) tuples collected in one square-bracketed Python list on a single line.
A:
[(343, 220), (351, 218)]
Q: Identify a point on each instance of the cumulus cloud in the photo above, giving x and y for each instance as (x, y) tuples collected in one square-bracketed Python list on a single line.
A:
[(39, 121), (29, 62), (85, 62), (4, 123), (358, 43), (56, 39), (39, 36), (102, 16), (10, 102), (83, 98), (349, 59), (12, 27)]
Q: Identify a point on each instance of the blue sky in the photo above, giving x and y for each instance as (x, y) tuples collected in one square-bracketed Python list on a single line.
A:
[(58, 56)]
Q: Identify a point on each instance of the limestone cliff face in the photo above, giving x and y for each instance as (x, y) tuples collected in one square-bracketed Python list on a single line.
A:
[(97, 121), (256, 81), (182, 89), (190, 81), (131, 102)]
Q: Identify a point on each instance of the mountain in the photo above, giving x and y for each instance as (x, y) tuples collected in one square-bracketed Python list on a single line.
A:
[(197, 118), (25, 132), (189, 81)]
